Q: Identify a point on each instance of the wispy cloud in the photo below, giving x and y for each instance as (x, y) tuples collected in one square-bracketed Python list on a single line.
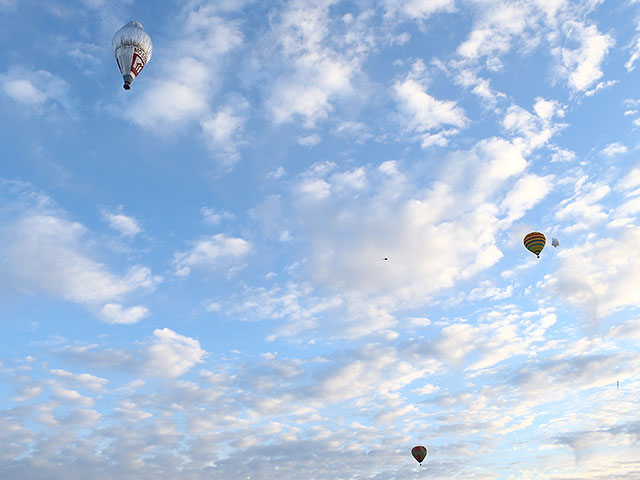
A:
[(127, 226), (315, 74), (216, 251), (39, 91), (424, 114), (582, 65), (44, 251)]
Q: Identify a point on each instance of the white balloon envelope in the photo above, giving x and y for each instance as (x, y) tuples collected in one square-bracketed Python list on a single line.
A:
[(132, 48)]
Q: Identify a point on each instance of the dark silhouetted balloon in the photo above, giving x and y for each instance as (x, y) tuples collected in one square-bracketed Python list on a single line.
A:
[(419, 453)]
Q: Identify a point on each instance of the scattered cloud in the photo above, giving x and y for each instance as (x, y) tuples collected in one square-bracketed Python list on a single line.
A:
[(46, 252), (614, 149), (310, 140), (171, 354), (597, 277), (125, 225), (313, 73), (418, 9), (582, 65), (224, 128), (425, 115), (39, 91), (64, 268), (216, 251), (115, 313)]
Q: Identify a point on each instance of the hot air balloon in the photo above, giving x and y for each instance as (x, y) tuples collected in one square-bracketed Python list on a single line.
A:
[(534, 242), (419, 453), (132, 47), (555, 242)]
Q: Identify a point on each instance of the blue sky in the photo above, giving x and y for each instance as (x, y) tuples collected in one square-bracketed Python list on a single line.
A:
[(192, 273)]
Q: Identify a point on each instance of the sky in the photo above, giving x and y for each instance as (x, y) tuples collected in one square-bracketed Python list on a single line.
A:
[(294, 249)]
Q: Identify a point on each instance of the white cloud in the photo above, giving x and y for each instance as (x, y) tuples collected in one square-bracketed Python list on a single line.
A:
[(16, 438), (422, 229), (29, 392), (310, 140), (417, 9), (562, 155), (355, 179), (366, 372), (488, 290), (479, 86), (599, 277), (313, 190), (308, 90), (116, 314), (218, 250), (635, 54), (547, 109), (524, 195), (351, 129), (499, 24), (614, 149), (535, 129), (631, 180), (223, 130), (583, 207), (313, 74), (23, 91), (172, 354), (65, 395), (627, 329), (44, 252), (294, 303), (580, 48), (428, 389), (91, 355), (582, 65), (600, 86), (64, 268), (276, 174), (549, 379), (84, 380), (211, 217), (127, 226), (424, 113), (39, 90), (169, 103), (492, 339)]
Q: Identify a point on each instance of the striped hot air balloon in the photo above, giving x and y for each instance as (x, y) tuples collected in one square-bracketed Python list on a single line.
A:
[(534, 242)]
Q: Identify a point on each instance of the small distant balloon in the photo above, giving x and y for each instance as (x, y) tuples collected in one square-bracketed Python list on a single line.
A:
[(534, 242), (386, 258), (419, 453), (555, 242), (132, 48)]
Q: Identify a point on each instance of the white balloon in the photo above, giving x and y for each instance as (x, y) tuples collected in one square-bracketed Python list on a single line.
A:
[(132, 48)]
